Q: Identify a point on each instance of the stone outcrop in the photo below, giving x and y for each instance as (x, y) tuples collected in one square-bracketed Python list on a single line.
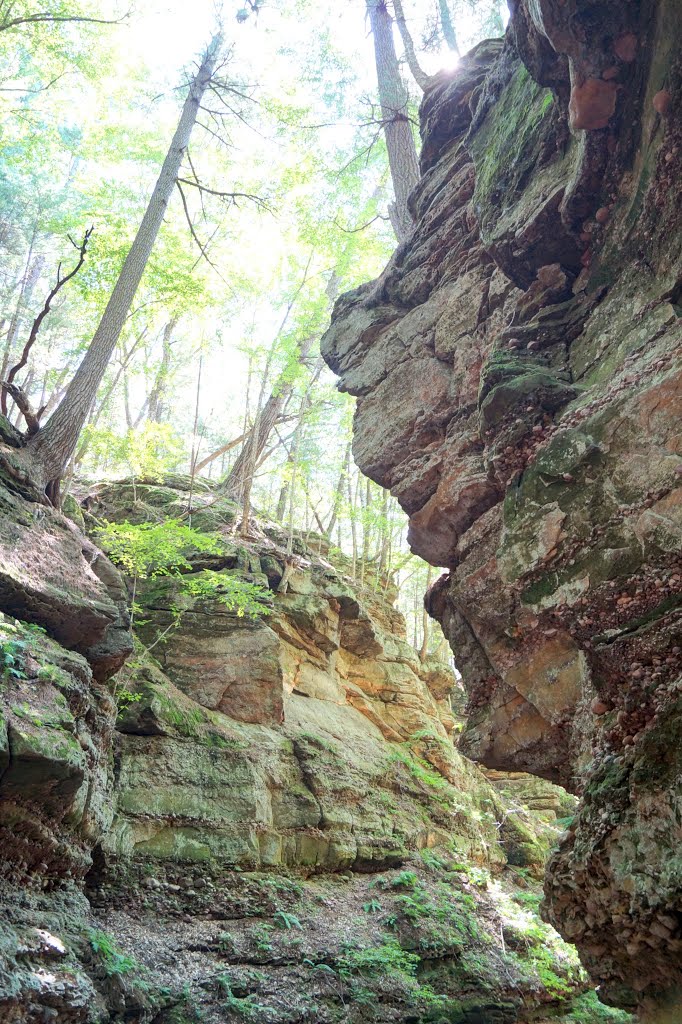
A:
[(517, 367), (56, 712), (279, 829), (320, 711)]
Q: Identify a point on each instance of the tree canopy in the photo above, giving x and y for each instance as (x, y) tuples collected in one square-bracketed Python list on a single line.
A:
[(283, 191)]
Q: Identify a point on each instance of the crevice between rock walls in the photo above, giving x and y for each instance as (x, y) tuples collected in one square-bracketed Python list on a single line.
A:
[(538, 455)]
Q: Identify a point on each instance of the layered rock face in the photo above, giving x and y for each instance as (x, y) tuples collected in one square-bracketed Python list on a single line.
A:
[(279, 828), (517, 367), (56, 713), (319, 713)]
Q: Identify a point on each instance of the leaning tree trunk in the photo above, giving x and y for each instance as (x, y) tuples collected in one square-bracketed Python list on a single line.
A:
[(48, 451), (237, 483), (394, 100)]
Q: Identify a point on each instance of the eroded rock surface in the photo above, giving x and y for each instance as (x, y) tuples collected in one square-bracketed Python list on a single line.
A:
[(517, 367), (280, 828)]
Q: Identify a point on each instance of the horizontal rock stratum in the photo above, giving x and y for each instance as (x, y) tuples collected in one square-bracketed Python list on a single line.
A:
[(519, 383)]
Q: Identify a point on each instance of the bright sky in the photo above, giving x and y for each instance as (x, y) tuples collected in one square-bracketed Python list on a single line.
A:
[(164, 37), (162, 31)]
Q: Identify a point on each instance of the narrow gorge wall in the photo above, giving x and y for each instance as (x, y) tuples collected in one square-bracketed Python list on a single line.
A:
[(517, 368)]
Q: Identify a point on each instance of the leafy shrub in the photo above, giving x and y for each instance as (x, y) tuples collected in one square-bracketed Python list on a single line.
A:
[(246, 1006), (588, 1010), (15, 644), (154, 549), (378, 961)]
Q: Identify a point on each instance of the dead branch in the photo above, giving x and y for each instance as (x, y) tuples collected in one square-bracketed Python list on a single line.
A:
[(229, 196), (193, 233), (353, 231), (61, 281)]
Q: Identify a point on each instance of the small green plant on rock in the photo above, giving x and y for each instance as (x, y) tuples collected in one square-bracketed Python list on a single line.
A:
[(286, 921), (246, 1006), (371, 907), (261, 936), (588, 1010), (112, 959), (388, 962), (225, 942), (15, 644)]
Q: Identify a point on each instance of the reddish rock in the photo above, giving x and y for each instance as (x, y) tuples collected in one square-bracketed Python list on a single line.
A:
[(592, 104), (552, 576), (661, 102)]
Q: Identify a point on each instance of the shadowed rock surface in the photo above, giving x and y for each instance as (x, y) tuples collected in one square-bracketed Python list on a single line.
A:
[(517, 367)]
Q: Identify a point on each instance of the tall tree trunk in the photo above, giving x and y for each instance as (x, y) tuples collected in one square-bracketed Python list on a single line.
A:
[(418, 73), (394, 100), (338, 496), (267, 416), (48, 452), (448, 26), (366, 505)]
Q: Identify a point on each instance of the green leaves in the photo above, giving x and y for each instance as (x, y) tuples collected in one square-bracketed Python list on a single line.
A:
[(286, 921), (154, 549), (237, 595), (112, 959)]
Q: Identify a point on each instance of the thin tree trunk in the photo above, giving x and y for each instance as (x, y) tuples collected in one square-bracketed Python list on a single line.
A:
[(448, 26), (338, 496), (49, 451), (267, 416), (126, 391), (353, 502), (418, 73), (95, 413), (426, 622), (30, 280), (157, 395), (238, 484), (366, 529), (195, 444), (394, 100)]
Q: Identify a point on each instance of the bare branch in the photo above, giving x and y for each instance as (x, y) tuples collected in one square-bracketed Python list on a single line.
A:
[(353, 231), (34, 19), (219, 138), (230, 196), (61, 281), (196, 238)]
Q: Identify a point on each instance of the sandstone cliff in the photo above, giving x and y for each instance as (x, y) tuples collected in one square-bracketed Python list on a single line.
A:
[(280, 828), (517, 367)]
